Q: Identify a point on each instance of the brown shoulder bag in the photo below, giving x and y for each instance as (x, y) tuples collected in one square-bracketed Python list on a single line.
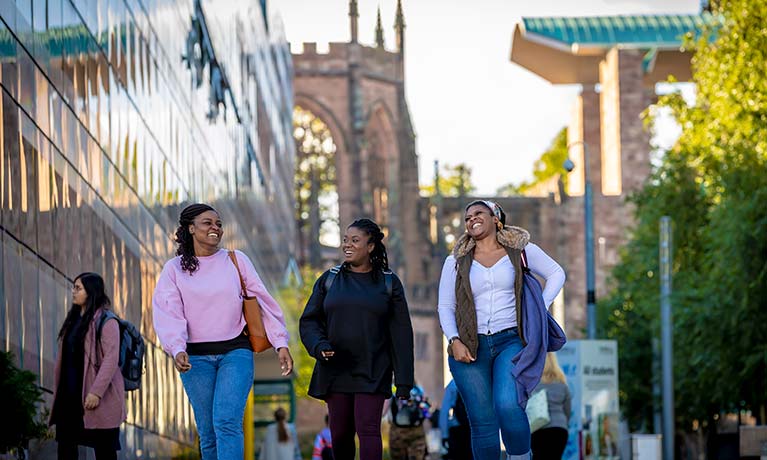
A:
[(255, 329)]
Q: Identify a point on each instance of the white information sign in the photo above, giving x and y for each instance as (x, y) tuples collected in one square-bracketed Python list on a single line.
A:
[(591, 368)]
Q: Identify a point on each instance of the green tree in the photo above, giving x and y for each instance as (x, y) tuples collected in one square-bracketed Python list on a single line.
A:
[(546, 167), (713, 183), (630, 313), (293, 297), (453, 181), (20, 397)]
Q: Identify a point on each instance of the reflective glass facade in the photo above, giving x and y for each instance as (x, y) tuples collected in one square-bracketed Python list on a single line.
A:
[(106, 134)]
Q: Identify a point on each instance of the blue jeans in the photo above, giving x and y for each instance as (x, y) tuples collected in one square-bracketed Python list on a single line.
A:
[(218, 387), (489, 392)]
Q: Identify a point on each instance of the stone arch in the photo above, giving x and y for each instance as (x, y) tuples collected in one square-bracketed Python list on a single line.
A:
[(319, 142), (342, 139), (326, 114)]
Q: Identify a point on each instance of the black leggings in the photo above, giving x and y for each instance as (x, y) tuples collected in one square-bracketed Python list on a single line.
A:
[(549, 443), (360, 413), (68, 451)]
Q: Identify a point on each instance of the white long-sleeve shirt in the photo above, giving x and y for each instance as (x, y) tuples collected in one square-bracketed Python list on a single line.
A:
[(493, 290)]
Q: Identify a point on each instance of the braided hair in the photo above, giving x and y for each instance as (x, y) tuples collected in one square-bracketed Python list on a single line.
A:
[(378, 257), (184, 239)]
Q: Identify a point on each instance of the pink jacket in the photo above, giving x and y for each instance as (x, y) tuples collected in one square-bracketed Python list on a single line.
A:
[(104, 381)]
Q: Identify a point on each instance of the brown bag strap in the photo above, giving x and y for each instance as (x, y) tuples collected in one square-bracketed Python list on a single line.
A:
[(239, 273)]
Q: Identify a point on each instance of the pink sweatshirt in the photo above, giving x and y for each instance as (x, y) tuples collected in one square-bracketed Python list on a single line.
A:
[(206, 306)]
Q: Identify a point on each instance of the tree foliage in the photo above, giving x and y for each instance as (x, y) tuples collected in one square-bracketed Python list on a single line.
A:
[(293, 297), (545, 168), (713, 183), (19, 397), (453, 181)]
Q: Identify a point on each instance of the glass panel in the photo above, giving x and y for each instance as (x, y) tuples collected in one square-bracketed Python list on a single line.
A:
[(49, 313), (96, 168), (13, 298)]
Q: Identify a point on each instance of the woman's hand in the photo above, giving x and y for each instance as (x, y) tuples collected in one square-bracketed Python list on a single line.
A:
[(286, 361), (327, 354), (182, 362), (461, 352), (91, 401)]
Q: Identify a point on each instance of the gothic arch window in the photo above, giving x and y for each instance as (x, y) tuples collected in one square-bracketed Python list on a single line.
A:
[(378, 175), (381, 171), (316, 191)]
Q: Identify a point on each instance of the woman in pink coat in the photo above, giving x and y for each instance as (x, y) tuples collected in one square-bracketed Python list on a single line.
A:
[(89, 394)]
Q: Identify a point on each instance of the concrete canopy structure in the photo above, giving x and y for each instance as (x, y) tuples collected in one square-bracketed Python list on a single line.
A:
[(617, 60), (569, 50)]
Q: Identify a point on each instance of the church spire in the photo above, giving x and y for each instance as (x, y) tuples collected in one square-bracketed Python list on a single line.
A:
[(353, 15), (399, 27), (379, 30)]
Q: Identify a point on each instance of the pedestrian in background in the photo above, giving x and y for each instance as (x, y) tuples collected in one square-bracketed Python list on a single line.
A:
[(280, 440), (454, 425), (550, 440), (197, 310), (357, 326), (479, 314), (323, 444), (407, 439), (89, 391)]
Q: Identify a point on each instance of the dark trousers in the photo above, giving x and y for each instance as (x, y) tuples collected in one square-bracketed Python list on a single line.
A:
[(68, 451), (360, 413), (549, 443), (459, 443)]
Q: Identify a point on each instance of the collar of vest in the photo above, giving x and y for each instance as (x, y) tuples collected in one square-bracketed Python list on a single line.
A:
[(510, 237)]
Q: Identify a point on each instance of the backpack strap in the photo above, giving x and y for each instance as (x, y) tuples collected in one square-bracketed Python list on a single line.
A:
[(524, 261), (105, 316), (388, 279), (331, 277), (102, 320)]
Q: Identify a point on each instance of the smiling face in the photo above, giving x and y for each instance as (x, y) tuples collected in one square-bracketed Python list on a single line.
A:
[(480, 222), (357, 247), (206, 229), (79, 296)]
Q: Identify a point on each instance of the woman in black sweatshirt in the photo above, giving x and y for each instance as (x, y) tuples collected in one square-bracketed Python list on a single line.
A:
[(356, 324)]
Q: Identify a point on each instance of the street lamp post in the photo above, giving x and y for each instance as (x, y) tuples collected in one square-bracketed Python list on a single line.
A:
[(591, 308)]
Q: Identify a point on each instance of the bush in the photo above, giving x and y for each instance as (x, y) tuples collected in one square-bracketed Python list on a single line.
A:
[(19, 398)]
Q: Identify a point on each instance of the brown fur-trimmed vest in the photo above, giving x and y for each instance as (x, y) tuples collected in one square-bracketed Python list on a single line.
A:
[(514, 240)]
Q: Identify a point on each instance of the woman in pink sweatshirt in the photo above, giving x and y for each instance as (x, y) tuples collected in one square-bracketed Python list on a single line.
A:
[(89, 393), (197, 309)]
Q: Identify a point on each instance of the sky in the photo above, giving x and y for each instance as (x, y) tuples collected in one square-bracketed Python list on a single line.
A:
[(468, 102)]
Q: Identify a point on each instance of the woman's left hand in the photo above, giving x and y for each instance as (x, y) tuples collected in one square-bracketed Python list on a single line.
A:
[(91, 401), (286, 361)]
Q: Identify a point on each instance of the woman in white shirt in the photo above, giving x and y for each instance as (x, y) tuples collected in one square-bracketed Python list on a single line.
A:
[(280, 439), (478, 313)]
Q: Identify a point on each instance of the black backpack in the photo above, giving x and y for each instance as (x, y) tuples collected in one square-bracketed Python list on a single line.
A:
[(132, 350), (334, 271)]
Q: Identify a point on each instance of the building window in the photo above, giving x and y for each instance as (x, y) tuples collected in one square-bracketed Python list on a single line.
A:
[(421, 346)]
